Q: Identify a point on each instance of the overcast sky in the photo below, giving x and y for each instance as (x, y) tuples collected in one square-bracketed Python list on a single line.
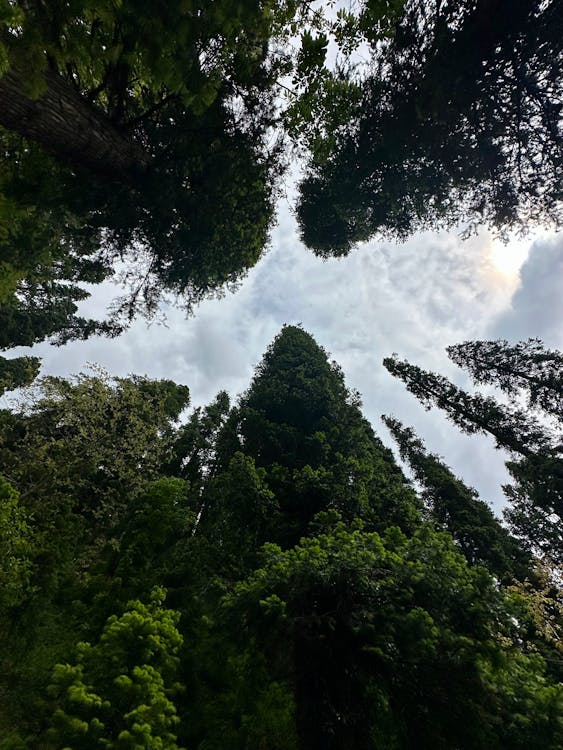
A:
[(413, 299)]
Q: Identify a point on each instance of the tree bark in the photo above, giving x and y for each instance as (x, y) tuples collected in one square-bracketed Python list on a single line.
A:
[(62, 122)]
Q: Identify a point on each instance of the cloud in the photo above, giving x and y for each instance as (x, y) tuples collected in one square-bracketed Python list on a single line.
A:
[(536, 309), (413, 299)]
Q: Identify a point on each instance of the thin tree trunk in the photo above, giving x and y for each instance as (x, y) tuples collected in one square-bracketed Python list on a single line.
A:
[(64, 124)]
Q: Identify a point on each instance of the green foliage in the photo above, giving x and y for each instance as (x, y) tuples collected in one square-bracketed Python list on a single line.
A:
[(459, 122), (40, 268), (118, 694), (301, 426), (310, 605), (18, 372), (179, 173), (155, 531), (194, 449), (80, 454), (527, 367), (16, 544), (92, 442), (397, 635), (532, 436), (458, 509), (239, 499)]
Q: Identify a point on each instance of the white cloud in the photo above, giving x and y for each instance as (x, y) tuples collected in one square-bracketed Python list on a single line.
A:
[(536, 309), (413, 299)]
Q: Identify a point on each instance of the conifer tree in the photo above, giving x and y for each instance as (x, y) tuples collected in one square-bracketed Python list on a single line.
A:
[(368, 621), (80, 454), (119, 693), (392, 641), (458, 509), (302, 427), (457, 121), (530, 435), (313, 606), (527, 367)]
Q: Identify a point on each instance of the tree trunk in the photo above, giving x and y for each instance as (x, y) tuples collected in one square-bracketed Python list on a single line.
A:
[(69, 127)]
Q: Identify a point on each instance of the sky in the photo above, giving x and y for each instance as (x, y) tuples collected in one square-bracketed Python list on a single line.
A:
[(414, 299)]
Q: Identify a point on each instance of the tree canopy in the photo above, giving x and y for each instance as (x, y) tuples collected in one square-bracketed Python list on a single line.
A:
[(458, 121), (458, 509), (149, 141), (314, 599), (317, 598), (138, 133)]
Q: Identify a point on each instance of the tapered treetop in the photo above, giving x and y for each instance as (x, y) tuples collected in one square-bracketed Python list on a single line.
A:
[(303, 429)]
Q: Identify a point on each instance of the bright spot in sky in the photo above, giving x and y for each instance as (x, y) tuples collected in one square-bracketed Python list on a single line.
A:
[(507, 258)]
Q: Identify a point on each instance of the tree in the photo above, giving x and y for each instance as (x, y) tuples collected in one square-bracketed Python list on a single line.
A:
[(47, 310), (526, 367), (311, 606), (459, 121), (118, 694), (153, 544), (42, 272), (91, 443), (15, 548), (514, 429), (80, 454), (302, 428), (17, 372), (533, 373), (151, 126), (392, 642), (458, 509), (194, 449), (295, 444), (537, 468)]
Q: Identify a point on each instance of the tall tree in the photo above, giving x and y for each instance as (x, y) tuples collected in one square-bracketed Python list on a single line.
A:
[(81, 455), (527, 367), (301, 426), (392, 642), (514, 429), (537, 467), (458, 121), (152, 127), (458, 509), (342, 631)]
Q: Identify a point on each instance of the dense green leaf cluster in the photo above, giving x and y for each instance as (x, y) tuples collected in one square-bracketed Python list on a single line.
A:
[(459, 121), (151, 139), (310, 603)]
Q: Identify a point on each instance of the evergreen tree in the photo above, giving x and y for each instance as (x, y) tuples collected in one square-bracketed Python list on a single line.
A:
[(301, 427), (526, 367), (537, 467), (151, 125), (395, 642), (79, 454), (311, 604), (47, 310), (458, 509), (333, 599), (457, 121), (118, 694)]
